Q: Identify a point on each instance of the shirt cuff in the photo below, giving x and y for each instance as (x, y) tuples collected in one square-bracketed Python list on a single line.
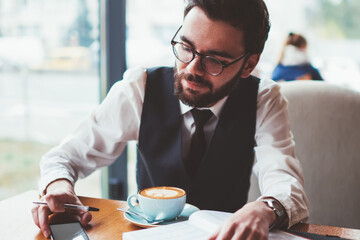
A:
[(294, 214), (281, 221)]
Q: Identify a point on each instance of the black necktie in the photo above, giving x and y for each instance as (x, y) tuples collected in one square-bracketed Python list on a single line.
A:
[(198, 143)]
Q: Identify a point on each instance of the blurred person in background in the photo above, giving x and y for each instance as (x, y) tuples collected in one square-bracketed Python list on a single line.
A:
[(294, 63)]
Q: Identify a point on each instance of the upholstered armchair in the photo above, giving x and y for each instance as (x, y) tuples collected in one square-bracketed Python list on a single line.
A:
[(325, 122)]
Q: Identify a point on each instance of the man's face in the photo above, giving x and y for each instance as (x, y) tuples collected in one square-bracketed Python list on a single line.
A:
[(193, 85)]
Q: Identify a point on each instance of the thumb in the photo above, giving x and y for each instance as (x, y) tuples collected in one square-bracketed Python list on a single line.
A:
[(85, 218)]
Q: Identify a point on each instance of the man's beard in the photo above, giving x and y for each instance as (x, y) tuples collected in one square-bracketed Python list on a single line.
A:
[(193, 99)]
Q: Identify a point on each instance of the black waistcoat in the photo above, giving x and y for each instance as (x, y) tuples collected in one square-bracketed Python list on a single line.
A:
[(222, 182)]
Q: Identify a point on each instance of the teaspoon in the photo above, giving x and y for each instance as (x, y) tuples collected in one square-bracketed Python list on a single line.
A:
[(150, 221)]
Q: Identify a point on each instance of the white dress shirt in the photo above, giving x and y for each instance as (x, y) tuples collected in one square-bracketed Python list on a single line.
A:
[(103, 136)]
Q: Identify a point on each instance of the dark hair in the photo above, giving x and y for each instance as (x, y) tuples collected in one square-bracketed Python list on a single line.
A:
[(296, 40), (251, 16)]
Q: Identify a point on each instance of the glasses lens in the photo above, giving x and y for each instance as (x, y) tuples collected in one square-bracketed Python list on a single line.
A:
[(183, 52), (212, 65)]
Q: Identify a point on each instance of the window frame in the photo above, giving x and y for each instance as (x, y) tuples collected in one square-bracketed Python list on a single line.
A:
[(112, 67)]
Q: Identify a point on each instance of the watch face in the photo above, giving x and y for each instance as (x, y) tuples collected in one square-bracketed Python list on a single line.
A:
[(275, 206), (278, 208)]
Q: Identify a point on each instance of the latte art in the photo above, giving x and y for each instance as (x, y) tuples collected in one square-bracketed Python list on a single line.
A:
[(162, 192), (160, 203)]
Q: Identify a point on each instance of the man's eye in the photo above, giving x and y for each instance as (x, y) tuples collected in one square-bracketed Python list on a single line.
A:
[(223, 62), (186, 48)]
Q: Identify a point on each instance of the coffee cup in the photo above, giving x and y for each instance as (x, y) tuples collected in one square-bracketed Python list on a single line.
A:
[(159, 203)]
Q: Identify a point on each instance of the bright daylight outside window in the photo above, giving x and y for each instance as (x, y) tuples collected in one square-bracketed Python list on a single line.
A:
[(49, 83), (331, 28)]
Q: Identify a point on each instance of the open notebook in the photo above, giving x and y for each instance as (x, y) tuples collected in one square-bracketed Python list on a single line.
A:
[(200, 226)]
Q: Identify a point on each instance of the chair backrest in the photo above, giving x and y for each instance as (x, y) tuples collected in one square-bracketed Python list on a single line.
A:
[(325, 122)]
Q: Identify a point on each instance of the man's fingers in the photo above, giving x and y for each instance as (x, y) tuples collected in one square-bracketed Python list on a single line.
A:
[(35, 216), (43, 218), (226, 232), (54, 200), (85, 218), (257, 235), (213, 236), (53, 203)]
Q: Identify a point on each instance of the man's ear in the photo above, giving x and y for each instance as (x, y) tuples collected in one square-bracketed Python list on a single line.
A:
[(250, 64)]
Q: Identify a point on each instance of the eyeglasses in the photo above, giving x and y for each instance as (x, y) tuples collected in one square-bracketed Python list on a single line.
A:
[(210, 64)]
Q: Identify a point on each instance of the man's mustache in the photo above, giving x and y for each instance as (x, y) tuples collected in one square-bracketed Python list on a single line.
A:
[(196, 79)]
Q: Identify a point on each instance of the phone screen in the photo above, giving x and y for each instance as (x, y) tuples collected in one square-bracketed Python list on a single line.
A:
[(68, 231)]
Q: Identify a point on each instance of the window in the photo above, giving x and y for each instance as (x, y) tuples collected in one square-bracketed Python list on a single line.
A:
[(331, 28), (149, 36), (49, 82)]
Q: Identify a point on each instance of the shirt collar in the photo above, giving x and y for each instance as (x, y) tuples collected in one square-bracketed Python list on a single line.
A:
[(215, 109)]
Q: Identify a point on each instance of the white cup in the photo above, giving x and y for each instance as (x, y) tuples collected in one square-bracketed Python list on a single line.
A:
[(160, 203)]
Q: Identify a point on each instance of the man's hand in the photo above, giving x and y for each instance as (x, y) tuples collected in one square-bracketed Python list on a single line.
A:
[(250, 222), (59, 191)]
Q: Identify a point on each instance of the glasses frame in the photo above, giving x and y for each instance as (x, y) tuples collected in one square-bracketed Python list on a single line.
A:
[(202, 56)]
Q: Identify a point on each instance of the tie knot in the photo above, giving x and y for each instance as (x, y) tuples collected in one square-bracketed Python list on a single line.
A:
[(201, 117)]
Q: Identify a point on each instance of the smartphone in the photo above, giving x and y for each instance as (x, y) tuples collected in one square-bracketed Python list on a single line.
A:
[(68, 231)]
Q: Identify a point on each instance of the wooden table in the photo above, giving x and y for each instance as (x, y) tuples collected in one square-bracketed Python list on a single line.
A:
[(16, 220)]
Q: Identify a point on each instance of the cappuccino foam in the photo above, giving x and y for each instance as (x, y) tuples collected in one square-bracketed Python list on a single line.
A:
[(162, 192)]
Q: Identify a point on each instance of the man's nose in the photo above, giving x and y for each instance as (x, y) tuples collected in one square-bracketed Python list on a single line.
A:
[(195, 66)]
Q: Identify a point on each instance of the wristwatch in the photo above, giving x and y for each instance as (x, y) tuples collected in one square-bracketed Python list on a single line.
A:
[(276, 207)]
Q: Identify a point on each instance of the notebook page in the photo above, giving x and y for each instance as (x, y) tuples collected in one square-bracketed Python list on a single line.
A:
[(200, 226), (186, 231), (208, 220)]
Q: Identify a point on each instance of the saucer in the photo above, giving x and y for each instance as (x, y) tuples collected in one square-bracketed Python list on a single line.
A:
[(184, 215)]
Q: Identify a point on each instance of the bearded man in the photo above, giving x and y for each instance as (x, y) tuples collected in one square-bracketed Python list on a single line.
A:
[(199, 126)]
